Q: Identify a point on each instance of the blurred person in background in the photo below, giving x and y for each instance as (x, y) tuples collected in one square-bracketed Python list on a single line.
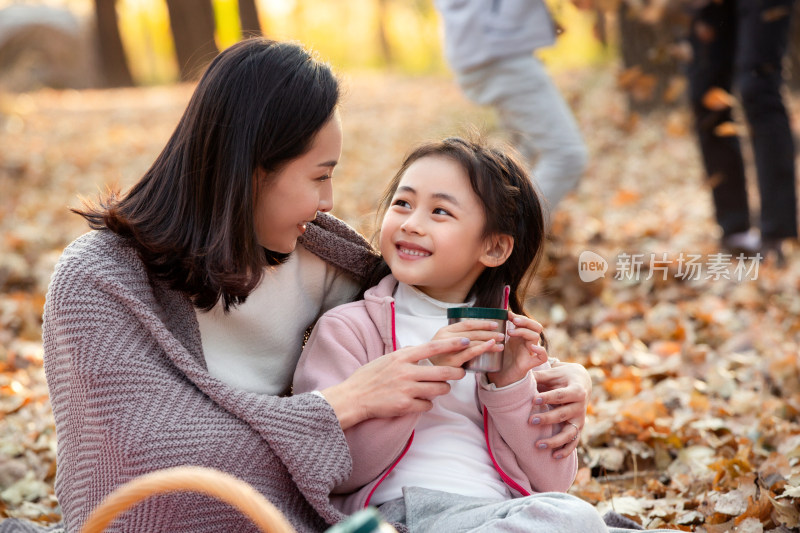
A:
[(740, 44), (490, 47)]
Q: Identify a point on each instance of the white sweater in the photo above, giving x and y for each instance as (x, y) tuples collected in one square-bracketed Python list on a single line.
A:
[(256, 345)]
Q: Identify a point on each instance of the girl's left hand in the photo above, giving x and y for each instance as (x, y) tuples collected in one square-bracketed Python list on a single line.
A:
[(566, 388), (522, 352)]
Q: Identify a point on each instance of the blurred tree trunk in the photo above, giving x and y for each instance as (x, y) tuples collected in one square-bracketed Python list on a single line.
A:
[(647, 41), (383, 34), (248, 18), (794, 50), (192, 23), (113, 64)]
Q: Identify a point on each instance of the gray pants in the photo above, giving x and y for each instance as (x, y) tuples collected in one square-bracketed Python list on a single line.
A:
[(539, 121), (424, 510)]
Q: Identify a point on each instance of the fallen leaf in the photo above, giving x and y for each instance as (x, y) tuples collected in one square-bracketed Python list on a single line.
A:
[(625, 197), (718, 99), (775, 13), (786, 513), (726, 129), (676, 87)]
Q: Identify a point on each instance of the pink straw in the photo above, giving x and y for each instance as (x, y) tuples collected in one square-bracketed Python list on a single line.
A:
[(506, 294)]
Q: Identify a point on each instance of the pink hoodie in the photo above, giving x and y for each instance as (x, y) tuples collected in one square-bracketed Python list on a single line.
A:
[(353, 334)]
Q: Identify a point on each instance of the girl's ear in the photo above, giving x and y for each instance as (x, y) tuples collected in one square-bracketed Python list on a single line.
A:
[(498, 247)]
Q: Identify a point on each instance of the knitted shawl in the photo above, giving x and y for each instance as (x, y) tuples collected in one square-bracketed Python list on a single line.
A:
[(131, 394)]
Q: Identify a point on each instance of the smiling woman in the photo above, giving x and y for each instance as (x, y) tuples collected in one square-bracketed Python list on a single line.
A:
[(289, 198), (163, 383)]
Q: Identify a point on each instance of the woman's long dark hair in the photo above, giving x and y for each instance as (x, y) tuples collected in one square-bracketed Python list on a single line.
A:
[(511, 206), (190, 217)]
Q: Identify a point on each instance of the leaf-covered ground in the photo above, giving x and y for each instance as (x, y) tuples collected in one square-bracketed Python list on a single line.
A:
[(695, 417)]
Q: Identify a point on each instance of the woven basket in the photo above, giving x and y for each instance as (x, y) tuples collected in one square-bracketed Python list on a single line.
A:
[(208, 481)]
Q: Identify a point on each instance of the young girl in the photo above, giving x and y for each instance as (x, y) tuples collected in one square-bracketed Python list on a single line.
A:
[(461, 221)]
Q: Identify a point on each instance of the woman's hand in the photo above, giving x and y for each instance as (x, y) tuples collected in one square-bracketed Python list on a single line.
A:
[(522, 350), (478, 331), (395, 385), (566, 389)]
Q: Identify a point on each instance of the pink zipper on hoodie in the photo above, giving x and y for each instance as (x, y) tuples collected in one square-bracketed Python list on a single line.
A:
[(510, 482), (410, 439), (505, 477)]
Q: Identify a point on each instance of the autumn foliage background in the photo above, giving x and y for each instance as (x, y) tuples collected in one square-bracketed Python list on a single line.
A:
[(694, 422)]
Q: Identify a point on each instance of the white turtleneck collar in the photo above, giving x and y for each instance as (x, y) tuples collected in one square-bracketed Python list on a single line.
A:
[(411, 301)]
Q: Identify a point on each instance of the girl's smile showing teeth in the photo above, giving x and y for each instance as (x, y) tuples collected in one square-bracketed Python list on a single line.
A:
[(410, 251), (433, 234)]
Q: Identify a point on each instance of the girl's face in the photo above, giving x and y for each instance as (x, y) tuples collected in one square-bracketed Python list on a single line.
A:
[(291, 197), (432, 233)]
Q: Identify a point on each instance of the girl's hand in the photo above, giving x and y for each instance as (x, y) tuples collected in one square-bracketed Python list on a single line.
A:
[(477, 331), (566, 389), (522, 350), (395, 385)]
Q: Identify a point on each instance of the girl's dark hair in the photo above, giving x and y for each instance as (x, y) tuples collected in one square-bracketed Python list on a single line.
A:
[(511, 206), (258, 105)]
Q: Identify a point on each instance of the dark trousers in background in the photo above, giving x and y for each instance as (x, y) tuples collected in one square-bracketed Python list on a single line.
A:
[(743, 50)]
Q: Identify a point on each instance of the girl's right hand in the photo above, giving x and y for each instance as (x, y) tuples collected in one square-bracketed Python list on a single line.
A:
[(395, 385), (477, 331)]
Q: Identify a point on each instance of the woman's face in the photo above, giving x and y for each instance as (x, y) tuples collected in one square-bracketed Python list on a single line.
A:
[(289, 198)]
